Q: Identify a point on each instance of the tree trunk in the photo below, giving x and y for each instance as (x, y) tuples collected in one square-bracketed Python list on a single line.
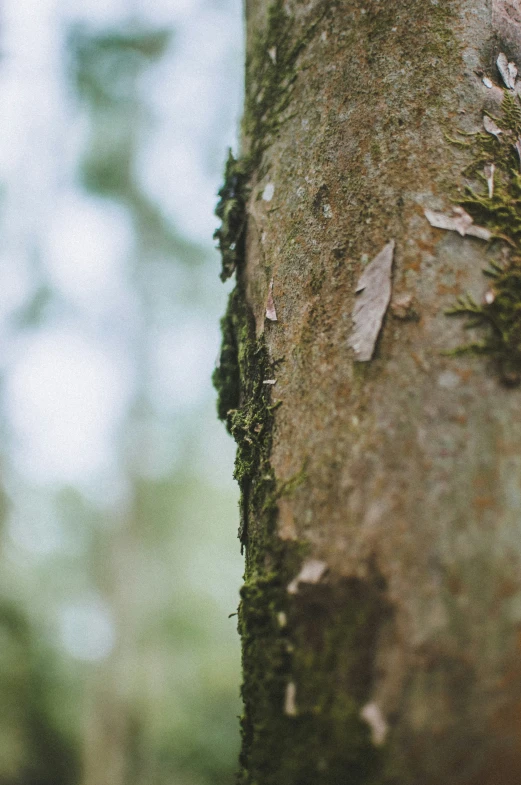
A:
[(380, 498)]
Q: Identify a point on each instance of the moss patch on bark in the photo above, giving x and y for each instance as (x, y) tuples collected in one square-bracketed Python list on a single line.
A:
[(244, 403), (271, 72), (323, 654), (231, 209)]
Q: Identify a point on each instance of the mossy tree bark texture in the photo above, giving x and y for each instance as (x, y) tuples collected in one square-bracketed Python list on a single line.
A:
[(381, 500)]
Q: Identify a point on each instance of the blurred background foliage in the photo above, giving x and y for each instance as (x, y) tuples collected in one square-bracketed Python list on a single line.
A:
[(119, 664)]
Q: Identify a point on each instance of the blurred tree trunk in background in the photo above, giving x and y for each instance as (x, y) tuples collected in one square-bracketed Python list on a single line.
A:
[(381, 500)]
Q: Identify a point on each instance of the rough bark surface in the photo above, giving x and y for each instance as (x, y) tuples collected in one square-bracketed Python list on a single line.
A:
[(398, 661)]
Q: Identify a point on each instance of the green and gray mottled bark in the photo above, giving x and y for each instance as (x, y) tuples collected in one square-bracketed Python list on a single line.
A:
[(391, 487)]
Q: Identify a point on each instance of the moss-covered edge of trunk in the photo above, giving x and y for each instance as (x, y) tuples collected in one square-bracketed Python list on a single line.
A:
[(321, 640), (271, 72)]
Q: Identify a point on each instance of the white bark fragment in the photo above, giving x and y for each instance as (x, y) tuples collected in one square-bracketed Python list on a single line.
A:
[(374, 290), (491, 127), (273, 54), (460, 222), (327, 211), (290, 700), (487, 82), (372, 714), (269, 381), (311, 572), (489, 174), (507, 70), (271, 313), (268, 192)]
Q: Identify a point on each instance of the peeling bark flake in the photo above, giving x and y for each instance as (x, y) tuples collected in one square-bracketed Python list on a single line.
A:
[(271, 313), (491, 127), (487, 82), (507, 70), (311, 572), (374, 290), (460, 222)]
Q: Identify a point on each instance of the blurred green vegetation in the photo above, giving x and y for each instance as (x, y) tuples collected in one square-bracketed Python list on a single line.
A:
[(36, 745), (106, 69), (160, 707)]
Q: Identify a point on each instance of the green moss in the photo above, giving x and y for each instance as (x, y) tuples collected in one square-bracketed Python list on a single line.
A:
[(226, 377), (231, 209), (244, 404), (325, 649), (499, 316)]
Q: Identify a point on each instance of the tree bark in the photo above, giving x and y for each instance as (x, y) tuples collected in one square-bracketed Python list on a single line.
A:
[(380, 500)]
